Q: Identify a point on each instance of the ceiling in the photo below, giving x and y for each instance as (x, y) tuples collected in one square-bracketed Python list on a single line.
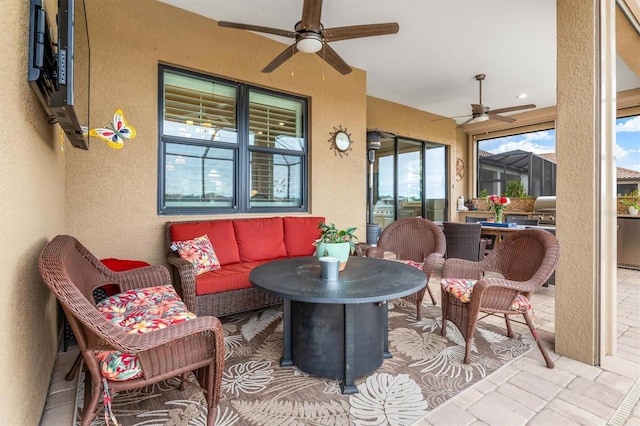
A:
[(431, 62)]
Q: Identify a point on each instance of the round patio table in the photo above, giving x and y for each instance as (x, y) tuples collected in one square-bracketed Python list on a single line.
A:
[(336, 329)]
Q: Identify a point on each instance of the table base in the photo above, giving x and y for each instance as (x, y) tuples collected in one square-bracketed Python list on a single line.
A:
[(325, 342)]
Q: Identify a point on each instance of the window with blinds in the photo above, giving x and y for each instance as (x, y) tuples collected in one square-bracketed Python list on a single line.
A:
[(228, 147)]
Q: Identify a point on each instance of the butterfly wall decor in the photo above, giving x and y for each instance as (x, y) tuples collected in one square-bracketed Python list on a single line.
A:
[(116, 135)]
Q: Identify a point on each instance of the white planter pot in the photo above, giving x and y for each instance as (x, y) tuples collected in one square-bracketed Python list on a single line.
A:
[(633, 211)]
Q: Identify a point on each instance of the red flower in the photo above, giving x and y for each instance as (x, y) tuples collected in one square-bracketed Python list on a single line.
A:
[(500, 201)]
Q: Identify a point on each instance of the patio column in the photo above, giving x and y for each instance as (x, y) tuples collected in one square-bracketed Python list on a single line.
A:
[(586, 219)]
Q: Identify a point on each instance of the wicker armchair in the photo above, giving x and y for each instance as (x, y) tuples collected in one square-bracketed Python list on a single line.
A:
[(416, 239), (526, 259), (463, 241), (72, 273)]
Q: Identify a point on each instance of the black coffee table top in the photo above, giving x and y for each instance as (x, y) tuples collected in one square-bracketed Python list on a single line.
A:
[(364, 280)]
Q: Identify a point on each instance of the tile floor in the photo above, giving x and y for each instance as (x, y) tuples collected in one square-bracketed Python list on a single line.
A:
[(523, 392)]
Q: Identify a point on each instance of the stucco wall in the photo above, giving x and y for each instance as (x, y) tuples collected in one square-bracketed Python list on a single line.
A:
[(111, 201), (31, 213)]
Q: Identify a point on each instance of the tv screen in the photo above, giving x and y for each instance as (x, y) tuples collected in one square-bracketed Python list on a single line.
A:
[(59, 72)]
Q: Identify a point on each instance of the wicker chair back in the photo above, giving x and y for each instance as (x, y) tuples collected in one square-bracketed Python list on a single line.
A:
[(463, 241), (412, 238)]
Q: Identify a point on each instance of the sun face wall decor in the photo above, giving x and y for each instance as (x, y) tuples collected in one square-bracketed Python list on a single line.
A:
[(340, 141)]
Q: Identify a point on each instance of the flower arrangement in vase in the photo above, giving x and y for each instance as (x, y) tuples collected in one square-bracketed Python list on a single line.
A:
[(497, 204)]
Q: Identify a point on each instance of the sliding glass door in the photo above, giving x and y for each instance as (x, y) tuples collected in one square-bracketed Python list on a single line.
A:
[(409, 180), (436, 182)]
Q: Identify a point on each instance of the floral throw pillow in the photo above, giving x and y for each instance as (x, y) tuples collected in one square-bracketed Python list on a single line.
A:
[(199, 252)]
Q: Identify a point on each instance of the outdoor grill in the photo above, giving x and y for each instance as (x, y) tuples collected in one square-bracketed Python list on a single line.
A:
[(544, 209)]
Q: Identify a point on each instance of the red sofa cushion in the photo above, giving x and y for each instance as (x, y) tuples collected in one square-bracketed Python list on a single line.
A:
[(220, 233), (260, 238), (231, 277), (299, 234)]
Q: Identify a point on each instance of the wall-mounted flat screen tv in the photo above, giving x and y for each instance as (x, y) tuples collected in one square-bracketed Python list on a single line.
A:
[(58, 68)]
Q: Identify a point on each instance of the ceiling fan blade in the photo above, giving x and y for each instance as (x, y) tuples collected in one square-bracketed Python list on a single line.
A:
[(509, 109), (311, 11), (358, 31), (258, 28), (466, 122), (281, 58), (501, 118), (453, 117), (333, 59), (477, 109)]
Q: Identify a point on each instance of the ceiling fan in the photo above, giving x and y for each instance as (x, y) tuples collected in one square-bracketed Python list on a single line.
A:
[(311, 37), (481, 112)]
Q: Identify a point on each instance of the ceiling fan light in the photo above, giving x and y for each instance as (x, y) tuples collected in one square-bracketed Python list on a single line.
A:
[(309, 43), (480, 118)]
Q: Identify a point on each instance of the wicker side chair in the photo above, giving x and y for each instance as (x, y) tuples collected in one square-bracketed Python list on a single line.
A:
[(526, 259), (72, 273), (416, 239), (489, 239), (463, 241)]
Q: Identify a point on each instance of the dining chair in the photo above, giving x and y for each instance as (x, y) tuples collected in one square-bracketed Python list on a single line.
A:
[(473, 219), (464, 241), (519, 267), (489, 239), (416, 240), (522, 220)]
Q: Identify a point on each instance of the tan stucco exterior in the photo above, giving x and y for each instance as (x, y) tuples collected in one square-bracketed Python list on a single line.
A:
[(31, 213), (107, 198)]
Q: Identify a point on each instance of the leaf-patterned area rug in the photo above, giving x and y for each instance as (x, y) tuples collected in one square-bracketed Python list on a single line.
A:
[(426, 369)]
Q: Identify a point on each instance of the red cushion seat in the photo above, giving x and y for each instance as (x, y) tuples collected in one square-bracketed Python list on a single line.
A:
[(231, 277), (138, 311)]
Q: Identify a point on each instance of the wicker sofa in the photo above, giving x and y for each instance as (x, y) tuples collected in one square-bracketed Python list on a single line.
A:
[(240, 245)]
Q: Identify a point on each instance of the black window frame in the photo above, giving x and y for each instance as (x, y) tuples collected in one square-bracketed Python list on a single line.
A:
[(241, 199), (546, 184)]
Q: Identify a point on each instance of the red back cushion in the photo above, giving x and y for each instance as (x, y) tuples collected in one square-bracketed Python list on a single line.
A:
[(260, 238), (300, 233), (220, 233), (119, 265)]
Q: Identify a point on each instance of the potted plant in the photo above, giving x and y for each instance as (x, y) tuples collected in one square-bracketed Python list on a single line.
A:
[(336, 242), (633, 203), (515, 189)]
